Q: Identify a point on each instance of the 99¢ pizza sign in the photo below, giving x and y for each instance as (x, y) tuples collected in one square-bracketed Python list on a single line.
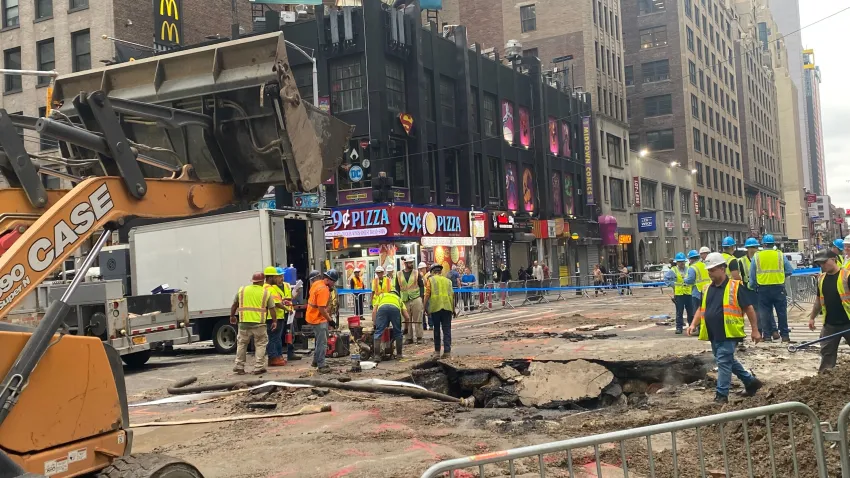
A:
[(397, 221)]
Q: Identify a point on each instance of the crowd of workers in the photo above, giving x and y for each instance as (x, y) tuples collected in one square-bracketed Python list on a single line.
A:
[(716, 290)]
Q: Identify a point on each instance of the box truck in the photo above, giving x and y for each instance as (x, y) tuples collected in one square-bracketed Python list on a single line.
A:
[(211, 257)]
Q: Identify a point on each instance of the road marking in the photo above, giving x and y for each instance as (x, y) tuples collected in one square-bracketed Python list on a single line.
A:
[(642, 327)]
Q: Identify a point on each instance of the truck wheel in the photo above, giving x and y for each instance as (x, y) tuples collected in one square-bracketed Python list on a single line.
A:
[(138, 359), (149, 465), (224, 336)]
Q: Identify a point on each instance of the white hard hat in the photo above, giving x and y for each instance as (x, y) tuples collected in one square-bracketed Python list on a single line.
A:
[(356, 269), (714, 259), (389, 268), (704, 250), (422, 265), (379, 269), (409, 259), (847, 240)]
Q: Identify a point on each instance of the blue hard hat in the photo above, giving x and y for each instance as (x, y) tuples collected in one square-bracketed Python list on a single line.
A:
[(693, 254), (839, 243), (728, 241), (280, 271), (751, 242), (767, 239), (680, 257)]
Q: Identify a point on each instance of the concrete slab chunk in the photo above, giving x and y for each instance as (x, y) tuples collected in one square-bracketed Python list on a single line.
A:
[(553, 382)]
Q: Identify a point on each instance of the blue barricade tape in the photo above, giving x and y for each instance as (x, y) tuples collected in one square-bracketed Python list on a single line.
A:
[(528, 289)]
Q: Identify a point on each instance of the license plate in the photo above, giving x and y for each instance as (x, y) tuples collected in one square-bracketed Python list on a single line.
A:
[(140, 340)]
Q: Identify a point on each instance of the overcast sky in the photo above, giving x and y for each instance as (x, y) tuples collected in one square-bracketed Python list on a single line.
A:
[(831, 55)]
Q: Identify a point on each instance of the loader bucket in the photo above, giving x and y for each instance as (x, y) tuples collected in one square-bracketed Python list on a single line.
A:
[(245, 121)]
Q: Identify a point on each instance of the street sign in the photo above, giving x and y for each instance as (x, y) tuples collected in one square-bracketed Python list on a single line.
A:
[(562, 59)]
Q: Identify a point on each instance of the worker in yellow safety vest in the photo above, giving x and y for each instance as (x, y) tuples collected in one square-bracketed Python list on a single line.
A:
[(697, 277), (380, 285), (281, 292), (423, 272), (388, 309), (675, 278), (249, 309), (722, 310), (768, 271), (356, 283), (728, 245), (439, 297), (411, 288), (833, 302)]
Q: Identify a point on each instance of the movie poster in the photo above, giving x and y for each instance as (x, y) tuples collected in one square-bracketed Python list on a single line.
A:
[(554, 144), (511, 186), (557, 205), (524, 127), (566, 140), (569, 203), (508, 121), (527, 190)]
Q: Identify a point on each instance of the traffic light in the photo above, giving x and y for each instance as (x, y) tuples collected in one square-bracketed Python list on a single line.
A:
[(382, 188)]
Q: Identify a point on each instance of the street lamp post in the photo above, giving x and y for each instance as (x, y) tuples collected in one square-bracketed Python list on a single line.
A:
[(312, 58)]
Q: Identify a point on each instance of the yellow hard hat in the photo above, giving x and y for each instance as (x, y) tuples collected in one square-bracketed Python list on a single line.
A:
[(270, 271)]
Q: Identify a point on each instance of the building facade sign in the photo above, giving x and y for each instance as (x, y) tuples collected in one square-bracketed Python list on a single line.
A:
[(636, 189), (588, 161), (398, 221), (168, 24)]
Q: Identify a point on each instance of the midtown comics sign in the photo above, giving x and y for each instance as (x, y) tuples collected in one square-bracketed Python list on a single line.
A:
[(397, 221)]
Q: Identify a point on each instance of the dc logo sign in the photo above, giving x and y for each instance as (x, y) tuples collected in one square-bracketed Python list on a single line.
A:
[(355, 174)]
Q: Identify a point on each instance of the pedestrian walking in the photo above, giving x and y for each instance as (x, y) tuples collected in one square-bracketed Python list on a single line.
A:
[(249, 309), (768, 271), (722, 311), (598, 280), (411, 289), (833, 301), (274, 329), (319, 317), (380, 285), (389, 309), (675, 278), (624, 280), (537, 271), (467, 281), (356, 283), (441, 307)]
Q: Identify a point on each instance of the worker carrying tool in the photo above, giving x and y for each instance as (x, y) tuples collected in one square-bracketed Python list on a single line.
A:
[(723, 308), (319, 317), (439, 297), (675, 278), (768, 271), (356, 283), (252, 303), (281, 292), (389, 309), (833, 301), (411, 287), (380, 285)]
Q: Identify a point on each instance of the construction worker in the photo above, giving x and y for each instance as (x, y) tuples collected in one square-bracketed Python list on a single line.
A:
[(847, 252), (728, 245), (319, 317), (722, 309), (288, 317), (740, 269), (252, 303), (675, 278), (388, 310), (273, 330), (838, 249), (833, 301), (356, 283), (697, 277), (768, 271), (439, 296), (411, 288), (423, 271), (703, 253), (380, 285), (390, 270)]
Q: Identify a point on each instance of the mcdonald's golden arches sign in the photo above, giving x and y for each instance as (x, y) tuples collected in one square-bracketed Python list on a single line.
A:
[(168, 23)]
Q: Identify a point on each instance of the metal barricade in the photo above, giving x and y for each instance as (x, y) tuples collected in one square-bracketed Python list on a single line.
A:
[(512, 296), (764, 435), (840, 436), (802, 288)]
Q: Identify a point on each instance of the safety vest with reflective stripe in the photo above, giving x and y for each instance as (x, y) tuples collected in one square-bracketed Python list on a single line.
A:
[(252, 303), (744, 268), (841, 287), (390, 300), (409, 288), (729, 258), (701, 273), (733, 315), (679, 287), (358, 282), (279, 295), (846, 264), (379, 288), (441, 294), (770, 267)]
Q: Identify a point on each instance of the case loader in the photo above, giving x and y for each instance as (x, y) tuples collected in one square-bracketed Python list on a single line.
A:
[(176, 135)]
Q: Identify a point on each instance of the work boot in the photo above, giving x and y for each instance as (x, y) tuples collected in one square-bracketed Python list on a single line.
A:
[(419, 341), (325, 369), (679, 332), (293, 357), (408, 342), (277, 362), (752, 388), (775, 336), (786, 340), (446, 355), (398, 346), (435, 355), (238, 371), (720, 398), (259, 371), (376, 350)]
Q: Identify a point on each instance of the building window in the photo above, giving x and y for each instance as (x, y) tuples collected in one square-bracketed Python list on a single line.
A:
[(692, 72), (630, 75), (429, 96), (46, 59), (655, 71), (690, 38), (490, 129), (495, 189), (531, 52), (685, 201), (668, 196), (694, 106), (650, 6), (10, 13), (614, 150), (43, 9), (81, 47), (473, 110), (617, 194), (528, 18), (12, 61), (659, 140), (78, 4), (697, 141), (450, 183), (699, 173), (658, 105), (653, 37), (647, 193), (395, 85), (716, 181), (347, 89), (447, 101), (688, 10), (634, 141)]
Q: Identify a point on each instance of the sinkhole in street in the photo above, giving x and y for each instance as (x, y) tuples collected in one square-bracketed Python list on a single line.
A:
[(579, 384)]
